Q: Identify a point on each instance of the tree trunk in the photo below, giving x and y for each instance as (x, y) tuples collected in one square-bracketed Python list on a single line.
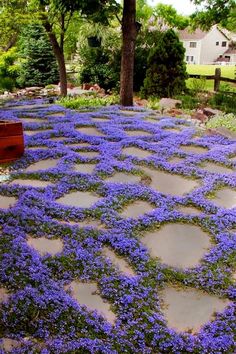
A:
[(129, 34), (59, 54)]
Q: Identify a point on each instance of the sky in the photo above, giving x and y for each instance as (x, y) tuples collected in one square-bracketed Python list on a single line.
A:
[(183, 7)]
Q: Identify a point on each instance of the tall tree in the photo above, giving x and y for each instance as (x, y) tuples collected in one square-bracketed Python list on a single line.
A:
[(56, 16), (12, 18), (213, 12), (129, 33)]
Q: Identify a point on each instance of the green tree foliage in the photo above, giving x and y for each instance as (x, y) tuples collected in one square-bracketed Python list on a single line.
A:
[(9, 70), (13, 16), (39, 67), (166, 71), (168, 15), (214, 12)]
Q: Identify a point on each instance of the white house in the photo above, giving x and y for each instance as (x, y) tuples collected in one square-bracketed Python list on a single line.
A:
[(205, 47)]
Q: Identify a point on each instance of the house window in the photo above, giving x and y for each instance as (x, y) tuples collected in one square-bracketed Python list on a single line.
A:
[(189, 58), (217, 43), (193, 44), (224, 44)]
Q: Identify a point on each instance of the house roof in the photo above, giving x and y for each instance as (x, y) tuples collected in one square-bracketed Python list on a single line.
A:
[(185, 35), (197, 35), (230, 51)]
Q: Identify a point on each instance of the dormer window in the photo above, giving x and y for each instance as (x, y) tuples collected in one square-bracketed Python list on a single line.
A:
[(193, 44)]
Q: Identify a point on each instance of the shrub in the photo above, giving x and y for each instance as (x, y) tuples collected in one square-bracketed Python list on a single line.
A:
[(224, 120), (9, 70), (224, 101), (39, 67), (88, 100), (166, 71)]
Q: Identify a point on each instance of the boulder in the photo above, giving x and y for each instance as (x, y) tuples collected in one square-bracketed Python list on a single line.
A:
[(199, 115), (169, 103), (210, 112)]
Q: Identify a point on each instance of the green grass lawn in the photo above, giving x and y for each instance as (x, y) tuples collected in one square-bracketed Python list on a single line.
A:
[(226, 71)]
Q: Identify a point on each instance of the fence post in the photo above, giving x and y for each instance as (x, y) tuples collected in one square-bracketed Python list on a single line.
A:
[(217, 79)]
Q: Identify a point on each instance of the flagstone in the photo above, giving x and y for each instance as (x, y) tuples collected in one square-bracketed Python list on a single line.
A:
[(7, 202), (119, 262), (167, 183), (87, 294), (31, 183), (137, 133), (79, 199), (84, 168), (178, 245), (121, 177), (194, 149), (225, 198), (137, 152), (137, 209), (4, 295), (189, 309), (89, 131), (89, 154), (42, 165), (44, 245), (8, 344), (216, 168), (189, 210)]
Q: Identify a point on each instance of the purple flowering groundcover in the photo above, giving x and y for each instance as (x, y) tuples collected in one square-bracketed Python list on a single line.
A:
[(92, 187)]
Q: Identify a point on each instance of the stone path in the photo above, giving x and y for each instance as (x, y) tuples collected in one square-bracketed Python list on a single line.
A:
[(133, 176)]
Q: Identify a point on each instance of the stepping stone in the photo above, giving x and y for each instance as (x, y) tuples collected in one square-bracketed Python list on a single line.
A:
[(176, 159), (118, 262), (79, 199), (178, 245), (189, 309), (58, 138), (167, 183), (128, 113), (42, 165), (31, 183), (6, 202), (4, 295), (37, 147), (193, 149), (101, 119), (215, 168), (8, 344), (174, 130), (57, 114), (85, 223), (89, 154), (137, 209), (189, 210), (137, 133), (32, 120), (44, 245), (34, 132), (225, 198), (89, 131), (121, 177), (137, 152), (232, 159), (86, 294), (78, 145), (84, 168)]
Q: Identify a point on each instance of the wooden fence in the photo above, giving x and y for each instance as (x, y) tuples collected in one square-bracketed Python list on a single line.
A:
[(217, 78)]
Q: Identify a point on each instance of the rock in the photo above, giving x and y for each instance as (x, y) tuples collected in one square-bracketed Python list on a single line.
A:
[(173, 112), (199, 115), (169, 103), (209, 112), (225, 132)]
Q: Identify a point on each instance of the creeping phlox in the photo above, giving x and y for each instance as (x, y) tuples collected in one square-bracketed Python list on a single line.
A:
[(39, 312)]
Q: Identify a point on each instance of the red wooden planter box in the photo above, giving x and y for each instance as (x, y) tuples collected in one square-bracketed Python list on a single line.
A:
[(11, 141)]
